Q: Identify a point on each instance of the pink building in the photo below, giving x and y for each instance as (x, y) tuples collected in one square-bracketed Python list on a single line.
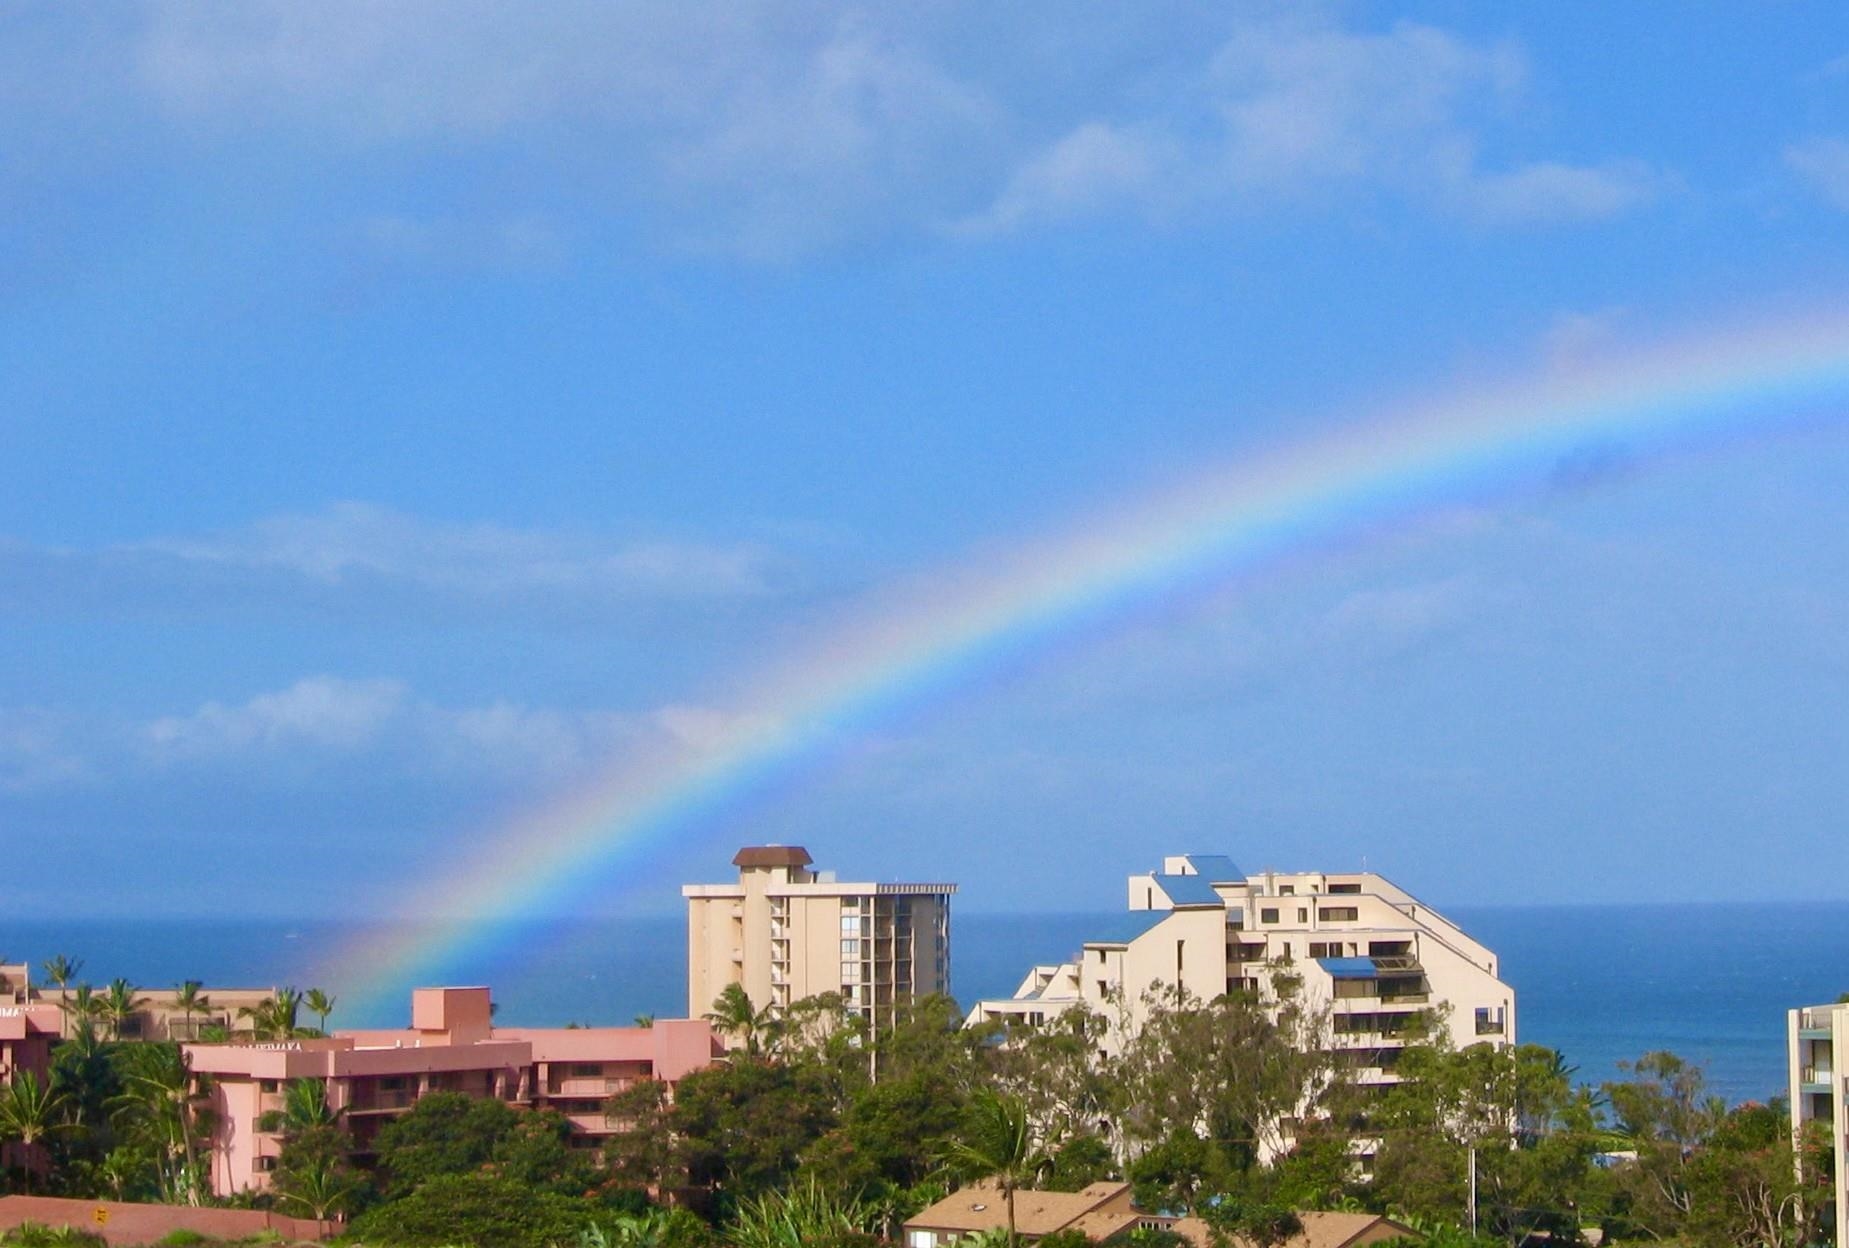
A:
[(452, 1045), (27, 1033)]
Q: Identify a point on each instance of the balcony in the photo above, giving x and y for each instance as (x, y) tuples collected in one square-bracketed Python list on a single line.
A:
[(1815, 1024), (382, 1102), (1816, 1078)]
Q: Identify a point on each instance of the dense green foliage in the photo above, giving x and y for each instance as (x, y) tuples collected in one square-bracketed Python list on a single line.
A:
[(474, 1211), (818, 1132)]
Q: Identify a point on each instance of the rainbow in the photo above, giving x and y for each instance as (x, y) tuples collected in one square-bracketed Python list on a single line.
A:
[(937, 634)]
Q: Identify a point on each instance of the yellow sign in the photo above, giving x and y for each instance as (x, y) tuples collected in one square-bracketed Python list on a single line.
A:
[(100, 1216)]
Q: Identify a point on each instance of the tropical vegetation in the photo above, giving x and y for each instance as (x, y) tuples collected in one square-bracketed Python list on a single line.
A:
[(819, 1130)]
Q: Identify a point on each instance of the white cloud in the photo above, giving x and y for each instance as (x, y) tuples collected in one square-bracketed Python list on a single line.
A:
[(1824, 163), (753, 122), (772, 129), (1548, 191), (330, 726), (361, 541), (38, 751), (320, 712), (1289, 107)]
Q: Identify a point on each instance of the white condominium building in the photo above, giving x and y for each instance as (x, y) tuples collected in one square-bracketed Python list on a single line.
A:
[(785, 932), (1372, 953), (1814, 1037)]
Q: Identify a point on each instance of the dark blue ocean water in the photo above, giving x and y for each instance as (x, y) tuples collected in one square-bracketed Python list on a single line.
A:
[(1601, 983)]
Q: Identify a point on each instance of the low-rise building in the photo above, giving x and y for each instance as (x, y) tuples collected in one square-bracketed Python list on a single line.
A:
[(1105, 1213), (1374, 955), (784, 932), (158, 1013), (452, 1045)]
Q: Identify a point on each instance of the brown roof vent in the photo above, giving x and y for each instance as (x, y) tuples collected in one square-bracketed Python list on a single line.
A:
[(772, 856)]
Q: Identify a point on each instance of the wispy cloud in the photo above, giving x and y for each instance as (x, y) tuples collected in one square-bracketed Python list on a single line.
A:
[(329, 726), (1823, 162), (355, 552), (773, 129), (1289, 108)]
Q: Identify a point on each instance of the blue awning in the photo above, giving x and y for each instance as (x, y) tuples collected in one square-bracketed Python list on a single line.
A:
[(1348, 968)]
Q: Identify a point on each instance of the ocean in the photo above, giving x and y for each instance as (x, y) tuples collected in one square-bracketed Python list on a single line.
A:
[(1603, 984)]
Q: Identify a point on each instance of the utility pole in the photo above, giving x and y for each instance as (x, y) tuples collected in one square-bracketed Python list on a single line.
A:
[(1473, 1191)]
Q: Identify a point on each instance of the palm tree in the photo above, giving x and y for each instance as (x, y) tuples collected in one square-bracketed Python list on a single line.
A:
[(29, 1112), (320, 1005), (997, 1142), (61, 970), (304, 1106), (733, 1015), (320, 1188), (190, 1000), (163, 1101), (118, 1005), (274, 1018), (82, 1008)]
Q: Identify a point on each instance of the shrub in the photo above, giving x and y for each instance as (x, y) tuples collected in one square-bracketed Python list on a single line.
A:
[(38, 1235)]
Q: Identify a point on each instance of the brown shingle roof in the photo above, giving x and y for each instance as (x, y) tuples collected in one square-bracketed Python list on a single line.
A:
[(980, 1207), (1320, 1230), (772, 856)]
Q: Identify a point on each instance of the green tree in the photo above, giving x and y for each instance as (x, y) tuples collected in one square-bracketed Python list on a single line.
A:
[(733, 1015), (474, 1211), (276, 1016), (318, 1003), (741, 1126), (304, 1107), (83, 1009), (1236, 1070), (996, 1142), (119, 1004), (445, 1133), (30, 1112), (640, 1150), (319, 1185), (191, 999), (61, 970), (537, 1152), (163, 1107)]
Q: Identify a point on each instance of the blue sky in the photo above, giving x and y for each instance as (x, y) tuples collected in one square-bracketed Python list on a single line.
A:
[(414, 410)]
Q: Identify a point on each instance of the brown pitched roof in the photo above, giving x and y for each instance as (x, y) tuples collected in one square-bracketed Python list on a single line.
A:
[(981, 1207), (120, 1222), (772, 856), (1320, 1230)]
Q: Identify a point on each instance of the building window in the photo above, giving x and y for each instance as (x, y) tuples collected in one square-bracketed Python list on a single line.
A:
[(587, 1071), (1339, 914), (1303, 914), (266, 1085), (1344, 888), (1287, 890), (850, 972), (1268, 915)]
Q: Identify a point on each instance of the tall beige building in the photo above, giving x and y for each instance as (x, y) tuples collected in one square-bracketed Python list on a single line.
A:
[(1371, 954), (785, 932)]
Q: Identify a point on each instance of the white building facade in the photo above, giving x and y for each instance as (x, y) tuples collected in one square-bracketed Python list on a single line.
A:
[(1374, 955)]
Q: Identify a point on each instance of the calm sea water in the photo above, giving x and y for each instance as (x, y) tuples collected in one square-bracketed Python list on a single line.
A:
[(1601, 983)]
